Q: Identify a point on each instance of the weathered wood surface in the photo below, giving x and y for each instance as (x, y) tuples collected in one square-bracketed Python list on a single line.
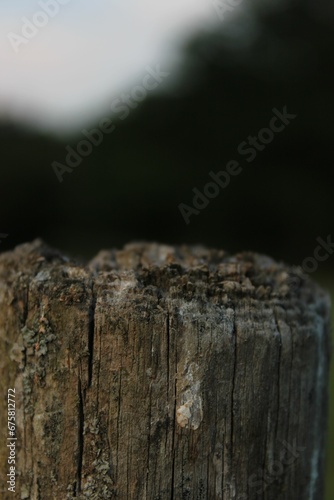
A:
[(163, 373)]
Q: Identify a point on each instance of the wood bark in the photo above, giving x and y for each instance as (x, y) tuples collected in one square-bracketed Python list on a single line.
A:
[(160, 373)]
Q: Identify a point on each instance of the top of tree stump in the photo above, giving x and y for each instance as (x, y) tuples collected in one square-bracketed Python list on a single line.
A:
[(163, 266)]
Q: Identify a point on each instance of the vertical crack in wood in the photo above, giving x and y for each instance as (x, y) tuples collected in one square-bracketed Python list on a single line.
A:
[(234, 335), (24, 427), (99, 362), (278, 370), (167, 349), (149, 430), (118, 418), (208, 476), (91, 331), (81, 418), (290, 381), (38, 490), (174, 414), (266, 463), (148, 441)]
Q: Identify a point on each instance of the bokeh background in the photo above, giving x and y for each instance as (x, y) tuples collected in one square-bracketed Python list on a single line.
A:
[(228, 68)]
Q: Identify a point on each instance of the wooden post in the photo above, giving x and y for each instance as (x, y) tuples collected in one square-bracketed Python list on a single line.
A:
[(162, 373)]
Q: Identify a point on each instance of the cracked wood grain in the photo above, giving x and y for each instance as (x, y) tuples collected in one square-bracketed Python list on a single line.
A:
[(161, 373)]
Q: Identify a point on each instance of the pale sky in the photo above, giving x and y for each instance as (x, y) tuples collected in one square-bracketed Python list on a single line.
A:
[(87, 53), (63, 62)]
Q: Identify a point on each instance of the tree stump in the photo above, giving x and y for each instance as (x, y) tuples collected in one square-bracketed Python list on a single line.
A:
[(161, 373)]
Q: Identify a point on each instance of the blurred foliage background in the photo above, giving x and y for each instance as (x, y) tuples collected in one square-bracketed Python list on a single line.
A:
[(130, 187)]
